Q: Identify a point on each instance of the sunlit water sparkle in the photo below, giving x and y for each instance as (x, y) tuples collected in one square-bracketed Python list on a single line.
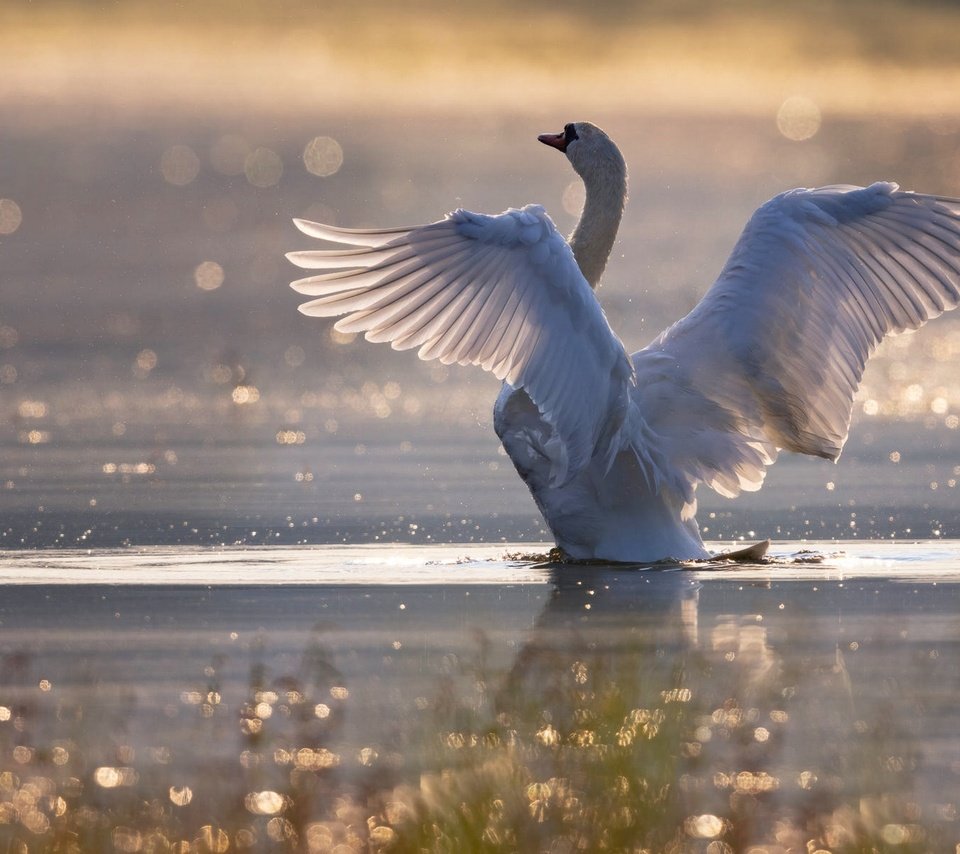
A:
[(225, 626), (408, 697), (398, 564)]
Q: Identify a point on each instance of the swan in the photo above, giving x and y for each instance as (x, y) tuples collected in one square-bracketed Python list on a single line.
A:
[(613, 446)]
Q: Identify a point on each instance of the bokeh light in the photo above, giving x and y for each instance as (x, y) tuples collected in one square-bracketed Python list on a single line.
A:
[(10, 216), (323, 156), (243, 395), (110, 777), (8, 337), (208, 276), (798, 118), (263, 167), (32, 409), (294, 356), (264, 803), (180, 795), (179, 165)]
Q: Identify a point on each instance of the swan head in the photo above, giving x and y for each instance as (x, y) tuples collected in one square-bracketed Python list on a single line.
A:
[(599, 163), (590, 151)]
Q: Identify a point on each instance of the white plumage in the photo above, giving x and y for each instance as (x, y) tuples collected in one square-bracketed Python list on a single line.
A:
[(613, 446)]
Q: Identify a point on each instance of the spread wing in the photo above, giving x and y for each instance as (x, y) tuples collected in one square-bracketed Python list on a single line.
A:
[(502, 292), (773, 354)]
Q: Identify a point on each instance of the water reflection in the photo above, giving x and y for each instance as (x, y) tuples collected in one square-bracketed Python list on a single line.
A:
[(604, 711)]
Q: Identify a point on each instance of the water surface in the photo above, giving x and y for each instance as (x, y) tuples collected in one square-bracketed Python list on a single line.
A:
[(456, 698), (179, 671)]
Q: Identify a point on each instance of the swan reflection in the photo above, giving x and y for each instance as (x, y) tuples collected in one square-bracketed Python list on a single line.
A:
[(607, 709)]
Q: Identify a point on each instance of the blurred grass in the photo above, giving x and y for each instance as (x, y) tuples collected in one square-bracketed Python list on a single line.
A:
[(853, 57)]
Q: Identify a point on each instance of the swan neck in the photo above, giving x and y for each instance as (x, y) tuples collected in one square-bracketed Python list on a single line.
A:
[(593, 237)]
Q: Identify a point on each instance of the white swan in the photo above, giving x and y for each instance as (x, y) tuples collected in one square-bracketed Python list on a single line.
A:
[(613, 446)]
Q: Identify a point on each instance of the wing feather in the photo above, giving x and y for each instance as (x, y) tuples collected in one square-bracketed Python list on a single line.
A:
[(383, 306), (353, 278), (502, 292), (932, 271), (350, 236), (773, 354)]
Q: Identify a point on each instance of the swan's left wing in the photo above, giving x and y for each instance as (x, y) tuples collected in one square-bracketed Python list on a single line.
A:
[(773, 355), (502, 292)]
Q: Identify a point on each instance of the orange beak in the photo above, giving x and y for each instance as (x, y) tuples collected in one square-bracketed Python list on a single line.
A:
[(555, 140)]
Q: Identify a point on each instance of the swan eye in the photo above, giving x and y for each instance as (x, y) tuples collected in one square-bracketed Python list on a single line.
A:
[(570, 133)]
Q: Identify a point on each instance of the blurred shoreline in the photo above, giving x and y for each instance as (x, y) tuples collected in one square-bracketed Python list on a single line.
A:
[(746, 58)]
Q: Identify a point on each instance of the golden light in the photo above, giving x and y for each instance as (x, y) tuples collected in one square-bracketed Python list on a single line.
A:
[(32, 409), (146, 361), (110, 777), (127, 839), (367, 756), (10, 216), (212, 839), (22, 754), (312, 760), (264, 803), (339, 337), (798, 118), (323, 156), (245, 394), (704, 826), (208, 275)]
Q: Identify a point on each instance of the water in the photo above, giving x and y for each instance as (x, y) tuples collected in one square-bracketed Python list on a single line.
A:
[(299, 698), (139, 406), (262, 586)]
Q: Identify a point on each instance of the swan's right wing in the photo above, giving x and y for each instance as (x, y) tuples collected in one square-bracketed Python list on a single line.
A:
[(502, 292), (773, 354)]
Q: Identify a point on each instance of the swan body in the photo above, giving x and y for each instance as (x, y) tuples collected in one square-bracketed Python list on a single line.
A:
[(613, 446)]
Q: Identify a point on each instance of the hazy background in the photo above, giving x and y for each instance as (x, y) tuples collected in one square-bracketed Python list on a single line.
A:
[(156, 381)]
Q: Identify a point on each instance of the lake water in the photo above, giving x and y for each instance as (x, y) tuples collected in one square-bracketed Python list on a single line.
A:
[(456, 697), (261, 585)]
